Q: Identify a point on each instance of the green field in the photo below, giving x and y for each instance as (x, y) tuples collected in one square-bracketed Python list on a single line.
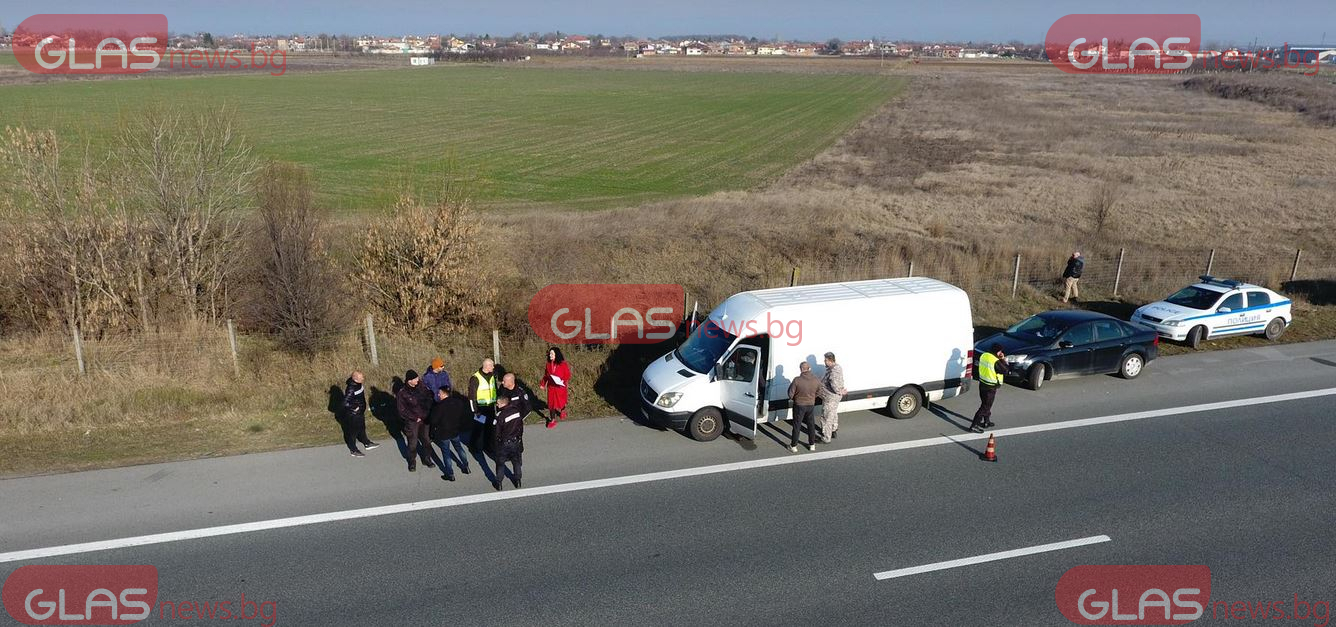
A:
[(572, 137)]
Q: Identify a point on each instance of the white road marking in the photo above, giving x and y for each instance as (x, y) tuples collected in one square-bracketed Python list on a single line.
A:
[(298, 521), (991, 557)]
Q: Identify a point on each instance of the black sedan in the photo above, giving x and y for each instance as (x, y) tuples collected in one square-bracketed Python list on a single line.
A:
[(1072, 343)]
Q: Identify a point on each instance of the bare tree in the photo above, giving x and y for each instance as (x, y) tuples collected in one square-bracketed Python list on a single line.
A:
[(291, 286), (190, 172)]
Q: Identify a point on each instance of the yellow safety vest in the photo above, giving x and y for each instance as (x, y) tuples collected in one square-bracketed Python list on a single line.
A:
[(486, 389), (988, 370)]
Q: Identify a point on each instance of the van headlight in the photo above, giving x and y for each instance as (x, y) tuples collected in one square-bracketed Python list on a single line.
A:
[(669, 399)]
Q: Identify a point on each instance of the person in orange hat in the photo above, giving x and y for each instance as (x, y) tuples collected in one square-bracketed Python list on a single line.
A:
[(436, 377)]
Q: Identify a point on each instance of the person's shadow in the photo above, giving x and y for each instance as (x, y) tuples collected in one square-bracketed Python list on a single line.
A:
[(335, 401), (382, 407)]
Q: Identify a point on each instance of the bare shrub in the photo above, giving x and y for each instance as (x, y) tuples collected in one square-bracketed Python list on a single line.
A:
[(424, 267), (291, 287), (1102, 203), (74, 253)]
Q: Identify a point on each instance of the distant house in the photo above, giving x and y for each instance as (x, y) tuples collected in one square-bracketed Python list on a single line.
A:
[(769, 50), (951, 52), (858, 48), (694, 49)]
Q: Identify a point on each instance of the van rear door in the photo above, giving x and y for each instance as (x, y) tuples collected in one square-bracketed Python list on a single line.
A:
[(739, 376)]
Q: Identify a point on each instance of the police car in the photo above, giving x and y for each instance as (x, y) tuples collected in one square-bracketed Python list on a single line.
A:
[(1216, 308)]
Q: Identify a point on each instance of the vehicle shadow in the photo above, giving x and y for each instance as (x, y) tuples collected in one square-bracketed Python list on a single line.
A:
[(1320, 292), (618, 383), (1117, 309)]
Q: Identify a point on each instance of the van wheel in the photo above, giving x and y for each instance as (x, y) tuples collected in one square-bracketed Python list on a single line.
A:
[(705, 425), (905, 402), (1275, 329), (1195, 337), (1132, 366), (1035, 379)]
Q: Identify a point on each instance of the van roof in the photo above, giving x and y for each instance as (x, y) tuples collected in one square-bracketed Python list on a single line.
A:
[(852, 290), (750, 305)]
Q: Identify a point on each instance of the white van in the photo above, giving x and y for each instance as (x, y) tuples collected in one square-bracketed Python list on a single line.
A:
[(900, 341)]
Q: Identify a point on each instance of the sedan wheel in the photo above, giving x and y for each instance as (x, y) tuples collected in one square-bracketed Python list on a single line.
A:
[(1195, 337), (1132, 366), (1274, 329), (1035, 378)]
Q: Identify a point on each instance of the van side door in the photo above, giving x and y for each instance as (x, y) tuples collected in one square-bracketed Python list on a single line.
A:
[(739, 377)]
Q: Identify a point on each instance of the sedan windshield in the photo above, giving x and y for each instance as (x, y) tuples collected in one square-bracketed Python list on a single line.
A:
[(705, 346), (1194, 298), (1036, 327)]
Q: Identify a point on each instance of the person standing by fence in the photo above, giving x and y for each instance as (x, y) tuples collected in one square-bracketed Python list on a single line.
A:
[(556, 381), (352, 415), (1071, 277), (832, 391), (414, 402)]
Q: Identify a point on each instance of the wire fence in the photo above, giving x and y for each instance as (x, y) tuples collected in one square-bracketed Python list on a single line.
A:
[(220, 350)]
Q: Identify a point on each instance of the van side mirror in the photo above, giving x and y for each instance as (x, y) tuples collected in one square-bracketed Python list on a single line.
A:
[(1224, 310), (1065, 344)]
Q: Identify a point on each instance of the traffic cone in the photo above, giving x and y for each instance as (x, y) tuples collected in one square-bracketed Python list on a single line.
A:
[(990, 453)]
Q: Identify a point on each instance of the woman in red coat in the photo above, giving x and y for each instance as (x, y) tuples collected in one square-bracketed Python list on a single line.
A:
[(556, 380)]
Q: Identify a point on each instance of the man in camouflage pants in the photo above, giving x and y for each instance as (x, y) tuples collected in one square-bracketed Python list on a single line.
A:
[(832, 390)]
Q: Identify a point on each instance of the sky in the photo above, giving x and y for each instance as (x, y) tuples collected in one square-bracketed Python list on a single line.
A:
[(1274, 22)]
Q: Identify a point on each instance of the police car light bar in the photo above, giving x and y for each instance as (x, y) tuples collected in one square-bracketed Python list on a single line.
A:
[(1206, 278)]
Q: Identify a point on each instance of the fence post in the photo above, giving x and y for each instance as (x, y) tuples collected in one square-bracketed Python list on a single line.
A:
[(694, 308), (793, 279), (232, 341), (1294, 272), (1118, 276), (78, 348), (496, 346), (1210, 261), (911, 268), (371, 340), (686, 300), (1016, 276)]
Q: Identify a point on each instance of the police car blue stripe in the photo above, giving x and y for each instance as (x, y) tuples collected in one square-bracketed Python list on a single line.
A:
[(1238, 311), (1238, 330)]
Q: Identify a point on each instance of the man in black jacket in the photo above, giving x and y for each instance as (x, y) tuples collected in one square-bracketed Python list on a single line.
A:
[(507, 441), (352, 415), (414, 402), (1071, 276), (451, 419)]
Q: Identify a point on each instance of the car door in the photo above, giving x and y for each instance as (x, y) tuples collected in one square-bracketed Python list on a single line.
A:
[(1111, 341), (1229, 315), (1072, 356), (738, 380)]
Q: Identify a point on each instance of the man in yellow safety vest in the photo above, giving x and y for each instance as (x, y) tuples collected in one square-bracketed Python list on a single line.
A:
[(992, 367), (482, 396)]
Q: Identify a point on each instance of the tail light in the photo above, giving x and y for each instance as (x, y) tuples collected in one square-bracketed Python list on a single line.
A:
[(1156, 341), (969, 364)]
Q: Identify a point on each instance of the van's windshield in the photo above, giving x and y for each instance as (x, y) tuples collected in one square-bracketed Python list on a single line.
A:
[(705, 346)]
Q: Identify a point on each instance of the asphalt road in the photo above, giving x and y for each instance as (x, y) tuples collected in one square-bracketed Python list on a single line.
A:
[(1245, 490)]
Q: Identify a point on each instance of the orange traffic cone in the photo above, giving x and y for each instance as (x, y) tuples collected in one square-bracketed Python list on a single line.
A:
[(990, 453)]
